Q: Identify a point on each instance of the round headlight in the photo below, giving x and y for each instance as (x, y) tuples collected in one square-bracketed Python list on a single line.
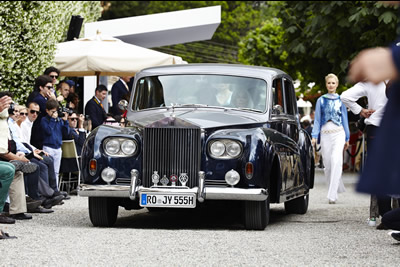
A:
[(217, 148), (112, 146), (232, 177), (128, 147), (108, 175), (233, 149)]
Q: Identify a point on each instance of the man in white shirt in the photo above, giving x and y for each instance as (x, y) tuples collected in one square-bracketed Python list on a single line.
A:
[(376, 95), (26, 125)]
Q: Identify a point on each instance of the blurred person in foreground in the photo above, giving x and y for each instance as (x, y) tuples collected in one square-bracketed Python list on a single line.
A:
[(381, 175)]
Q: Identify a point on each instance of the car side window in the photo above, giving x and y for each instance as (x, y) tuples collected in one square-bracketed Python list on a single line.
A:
[(289, 97), (278, 93)]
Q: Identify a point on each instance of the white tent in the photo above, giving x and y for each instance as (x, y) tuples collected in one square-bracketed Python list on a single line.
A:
[(106, 56)]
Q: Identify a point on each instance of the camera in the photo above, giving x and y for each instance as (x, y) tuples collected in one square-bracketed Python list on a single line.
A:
[(61, 111), (11, 108)]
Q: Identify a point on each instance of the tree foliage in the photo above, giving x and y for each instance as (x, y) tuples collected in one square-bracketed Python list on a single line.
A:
[(319, 38), (29, 32), (237, 18)]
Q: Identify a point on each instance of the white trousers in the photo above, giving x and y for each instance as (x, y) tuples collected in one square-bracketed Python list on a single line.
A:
[(332, 144), (56, 154)]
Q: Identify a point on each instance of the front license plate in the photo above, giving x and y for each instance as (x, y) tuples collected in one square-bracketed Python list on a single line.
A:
[(167, 200)]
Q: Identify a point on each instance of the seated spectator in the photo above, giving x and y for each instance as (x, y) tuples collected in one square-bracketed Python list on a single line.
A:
[(111, 120), (77, 133), (7, 170), (23, 113), (43, 178), (73, 102)]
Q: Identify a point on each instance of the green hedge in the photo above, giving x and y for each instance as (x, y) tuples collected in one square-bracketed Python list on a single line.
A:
[(29, 32)]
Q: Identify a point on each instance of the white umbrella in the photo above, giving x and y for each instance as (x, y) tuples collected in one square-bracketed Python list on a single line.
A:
[(106, 56)]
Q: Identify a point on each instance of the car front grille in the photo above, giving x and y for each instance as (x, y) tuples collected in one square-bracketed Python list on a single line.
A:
[(171, 151)]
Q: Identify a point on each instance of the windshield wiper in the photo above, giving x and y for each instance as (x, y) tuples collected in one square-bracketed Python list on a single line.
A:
[(249, 109)]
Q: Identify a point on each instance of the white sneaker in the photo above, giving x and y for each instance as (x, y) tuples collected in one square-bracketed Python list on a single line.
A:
[(371, 222)]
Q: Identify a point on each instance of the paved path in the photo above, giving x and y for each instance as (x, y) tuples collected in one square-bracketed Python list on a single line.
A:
[(328, 235)]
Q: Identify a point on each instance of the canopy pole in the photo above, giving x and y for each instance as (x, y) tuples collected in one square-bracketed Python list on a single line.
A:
[(97, 78)]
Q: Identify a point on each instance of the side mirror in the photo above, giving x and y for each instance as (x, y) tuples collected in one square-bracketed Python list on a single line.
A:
[(123, 105), (277, 109)]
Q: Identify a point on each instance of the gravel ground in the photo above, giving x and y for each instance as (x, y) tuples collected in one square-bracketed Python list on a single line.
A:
[(328, 235)]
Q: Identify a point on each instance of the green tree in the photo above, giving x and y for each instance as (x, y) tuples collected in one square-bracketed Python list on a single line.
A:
[(29, 32), (237, 18), (321, 37)]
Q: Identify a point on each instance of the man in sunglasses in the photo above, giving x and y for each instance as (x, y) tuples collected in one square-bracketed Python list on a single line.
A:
[(53, 72), (77, 132), (44, 85), (26, 125)]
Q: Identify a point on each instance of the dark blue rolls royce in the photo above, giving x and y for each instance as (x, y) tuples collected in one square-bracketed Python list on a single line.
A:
[(200, 132)]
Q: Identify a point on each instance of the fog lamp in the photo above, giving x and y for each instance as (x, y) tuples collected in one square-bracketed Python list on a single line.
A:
[(108, 175), (232, 177)]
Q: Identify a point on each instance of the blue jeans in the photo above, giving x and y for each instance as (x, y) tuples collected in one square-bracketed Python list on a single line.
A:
[(7, 172)]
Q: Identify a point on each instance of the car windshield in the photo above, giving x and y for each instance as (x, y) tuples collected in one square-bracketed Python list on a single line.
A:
[(200, 91)]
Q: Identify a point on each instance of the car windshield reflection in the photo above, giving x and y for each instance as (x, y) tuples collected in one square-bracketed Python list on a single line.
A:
[(205, 91)]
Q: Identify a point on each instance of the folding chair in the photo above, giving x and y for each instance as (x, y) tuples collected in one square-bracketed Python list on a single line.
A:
[(69, 165)]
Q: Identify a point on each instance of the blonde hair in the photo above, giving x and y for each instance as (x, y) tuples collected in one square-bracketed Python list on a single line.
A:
[(331, 75)]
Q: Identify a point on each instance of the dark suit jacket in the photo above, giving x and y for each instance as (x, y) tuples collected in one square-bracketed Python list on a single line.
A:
[(96, 113), (118, 91)]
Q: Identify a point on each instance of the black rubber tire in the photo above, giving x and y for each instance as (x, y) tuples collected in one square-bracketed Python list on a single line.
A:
[(103, 211), (298, 205), (256, 214)]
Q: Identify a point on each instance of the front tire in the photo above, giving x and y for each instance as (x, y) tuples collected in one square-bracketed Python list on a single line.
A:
[(256, 214), (298, 205), (103, 211)]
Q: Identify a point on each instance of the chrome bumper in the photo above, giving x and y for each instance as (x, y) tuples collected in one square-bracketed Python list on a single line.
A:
[(202, 192)]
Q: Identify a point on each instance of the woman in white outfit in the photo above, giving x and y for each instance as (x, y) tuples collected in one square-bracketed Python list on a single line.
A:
[(331, 125)]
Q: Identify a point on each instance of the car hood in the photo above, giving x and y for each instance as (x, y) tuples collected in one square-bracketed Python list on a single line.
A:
[(194, 118)]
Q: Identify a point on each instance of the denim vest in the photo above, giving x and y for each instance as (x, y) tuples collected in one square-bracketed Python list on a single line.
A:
[(331, 109)]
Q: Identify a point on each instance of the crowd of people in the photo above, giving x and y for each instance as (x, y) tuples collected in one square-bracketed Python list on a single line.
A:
[(31, 143)]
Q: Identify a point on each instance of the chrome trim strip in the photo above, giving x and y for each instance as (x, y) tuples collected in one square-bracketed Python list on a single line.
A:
[(216, 193)]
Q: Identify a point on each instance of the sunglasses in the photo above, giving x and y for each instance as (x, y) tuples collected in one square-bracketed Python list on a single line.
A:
[(23, 113), (73, 119), (54, 76), (49, 87), (34, 111)]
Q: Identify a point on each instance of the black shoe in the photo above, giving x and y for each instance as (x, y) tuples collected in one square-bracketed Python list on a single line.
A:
[(50, 202), (4, 235), (381, 226), (33, 205), (41, 210), (6, 207), (5, 219), (396, 235), (21, 216), (25, 167)]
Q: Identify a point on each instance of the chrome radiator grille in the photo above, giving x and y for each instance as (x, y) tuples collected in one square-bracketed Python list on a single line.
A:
[(171, 151)]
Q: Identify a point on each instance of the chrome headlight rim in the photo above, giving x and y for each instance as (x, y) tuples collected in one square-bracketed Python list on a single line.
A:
[(226, 143), (128, 144), (122, 148), (112, 146)]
